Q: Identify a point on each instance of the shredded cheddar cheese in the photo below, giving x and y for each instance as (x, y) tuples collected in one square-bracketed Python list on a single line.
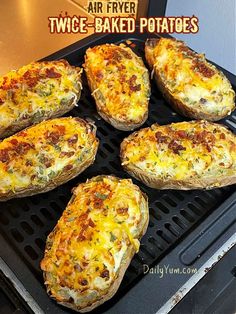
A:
[(191, 79), (98, 232), (121, 80), (36, 91), (38, 155), (181, 151)]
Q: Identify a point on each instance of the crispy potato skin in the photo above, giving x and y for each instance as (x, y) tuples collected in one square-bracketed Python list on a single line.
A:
[(110, 215), (205, 142), (28, 90), (29, 163), (178, 105), (117, 58)]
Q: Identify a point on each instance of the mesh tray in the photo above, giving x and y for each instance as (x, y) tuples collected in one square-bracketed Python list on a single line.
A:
[(25, 223)]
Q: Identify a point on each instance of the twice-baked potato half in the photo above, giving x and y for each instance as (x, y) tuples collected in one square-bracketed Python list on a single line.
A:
[(184, 155), (94, 241), (44, 156), (36, 92), (120, 85), (193, 87)]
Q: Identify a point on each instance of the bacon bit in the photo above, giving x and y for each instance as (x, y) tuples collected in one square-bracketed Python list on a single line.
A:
[(132, 84), (187, 51), (136, 88), (14, 141), (81, 237), (52, 74), (66, 154), (205, 138), (222, 164), (122, 78), (113, 57), (22, 133), (222, 136), (126, 54), (85, 264), (83, 216), (73, 139), (84, 282), (121, 67), (52, 137), (105, 274), (4, 80), (182, 134), (173, 145), (85, 223), (33, 177), (4, 155), (47, 162), (22, 147), (91, 223), (1, 101), (208, 147), (61, 129), (11, 85), (68, 167), (28, 163), (98, 202), (202, 68), (161, 138), (31, 77), (122, 210), (99, 75)]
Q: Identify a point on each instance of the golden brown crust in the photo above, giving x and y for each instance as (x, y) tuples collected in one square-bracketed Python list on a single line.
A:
[(194, 183), (125, 124), (177, 104)]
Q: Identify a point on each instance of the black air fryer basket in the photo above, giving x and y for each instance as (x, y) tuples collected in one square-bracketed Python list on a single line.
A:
[(188, 230)]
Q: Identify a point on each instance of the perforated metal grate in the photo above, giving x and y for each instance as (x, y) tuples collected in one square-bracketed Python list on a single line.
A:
[(26, 222)]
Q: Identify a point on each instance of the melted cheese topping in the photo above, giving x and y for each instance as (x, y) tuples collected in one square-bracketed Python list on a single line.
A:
[(36, 90), (122, 82), (181, 151), (39, 154), (97, 233), (191, 79)]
